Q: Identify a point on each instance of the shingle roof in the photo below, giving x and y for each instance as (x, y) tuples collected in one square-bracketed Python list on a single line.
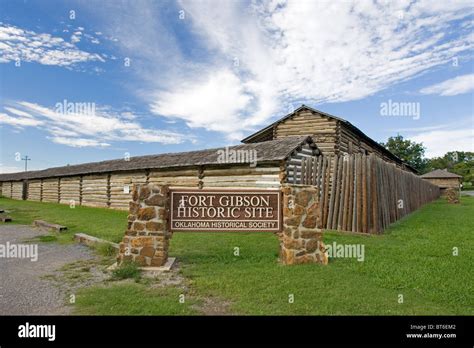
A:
[(268, 151), (440, 174), (347, 123)]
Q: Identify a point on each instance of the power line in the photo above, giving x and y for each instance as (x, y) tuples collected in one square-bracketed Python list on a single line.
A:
[(26, 159)]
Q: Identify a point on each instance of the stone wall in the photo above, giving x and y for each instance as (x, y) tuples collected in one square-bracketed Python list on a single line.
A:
[(147, 237), (301, 239)]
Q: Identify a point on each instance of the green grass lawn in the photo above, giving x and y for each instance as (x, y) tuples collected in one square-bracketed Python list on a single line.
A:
[(108, 224), (414, 258), (132, 299)]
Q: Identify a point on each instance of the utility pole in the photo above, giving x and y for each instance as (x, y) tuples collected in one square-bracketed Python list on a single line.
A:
[(26, 159)]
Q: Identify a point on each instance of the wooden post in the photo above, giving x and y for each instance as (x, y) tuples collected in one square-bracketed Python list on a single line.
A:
[(333, 192), (364, 193)]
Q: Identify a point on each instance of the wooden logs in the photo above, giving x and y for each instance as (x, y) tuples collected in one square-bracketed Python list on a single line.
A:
[(120, 188), (94, 190), (361, 193), (69, 190), (17, 190), (34, 190), (51, 190)]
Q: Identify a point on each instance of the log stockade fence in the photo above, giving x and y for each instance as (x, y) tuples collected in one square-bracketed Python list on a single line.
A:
[(363, 193)]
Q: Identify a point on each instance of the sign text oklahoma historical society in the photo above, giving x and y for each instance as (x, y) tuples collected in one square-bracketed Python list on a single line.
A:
[(225, 210)]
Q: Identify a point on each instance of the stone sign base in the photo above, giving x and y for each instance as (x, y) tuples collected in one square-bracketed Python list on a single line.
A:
[(150, 271), (301, 239), (147, 237), (146, 240)]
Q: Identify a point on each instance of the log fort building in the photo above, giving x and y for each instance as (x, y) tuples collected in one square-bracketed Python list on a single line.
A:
[(281, 150)]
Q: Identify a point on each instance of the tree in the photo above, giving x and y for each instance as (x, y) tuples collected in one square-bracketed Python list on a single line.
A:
[(466, 170), (409, 151), (457, 162)]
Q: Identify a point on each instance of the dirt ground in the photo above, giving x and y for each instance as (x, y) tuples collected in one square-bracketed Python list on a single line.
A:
[(27, 286)]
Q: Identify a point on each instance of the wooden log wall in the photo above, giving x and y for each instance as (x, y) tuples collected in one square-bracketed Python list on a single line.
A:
[(332, 136), (445, 182), (322, 129), (95, 191), (17, 190), (120, 188), (362, 193), (114, 190), (295, 162), (34, 190), (351, 143), (70, 190), (50, 190), (245, 177), (186, 177), (7, 189), (107, 189)]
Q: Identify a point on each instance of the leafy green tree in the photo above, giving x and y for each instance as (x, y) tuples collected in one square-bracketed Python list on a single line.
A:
[(458, 162), (409, 151), (438, 163), (466, 170)]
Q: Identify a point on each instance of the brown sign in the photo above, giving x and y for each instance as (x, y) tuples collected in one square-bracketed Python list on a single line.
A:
[(225, 210)]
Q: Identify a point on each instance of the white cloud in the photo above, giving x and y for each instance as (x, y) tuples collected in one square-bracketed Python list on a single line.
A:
[(275, 52), (78, 142), (91, 38), (242, 63), (221, 95), (29, 46), (17, 112), (442, 141), (439, 139), (19, 122), (9, 169), (76, 37), (95, 128), (458, 85)]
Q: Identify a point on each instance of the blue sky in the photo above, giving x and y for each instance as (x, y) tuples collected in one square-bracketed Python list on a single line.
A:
[(166, 76)]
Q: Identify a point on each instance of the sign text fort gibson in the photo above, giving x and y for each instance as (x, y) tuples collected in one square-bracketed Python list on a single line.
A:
[(225, 210)]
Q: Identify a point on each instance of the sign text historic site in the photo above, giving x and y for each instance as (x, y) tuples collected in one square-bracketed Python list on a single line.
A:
[(225, 210)]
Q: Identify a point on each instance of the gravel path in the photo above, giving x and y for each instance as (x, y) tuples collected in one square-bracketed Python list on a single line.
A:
[(22, 291)]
